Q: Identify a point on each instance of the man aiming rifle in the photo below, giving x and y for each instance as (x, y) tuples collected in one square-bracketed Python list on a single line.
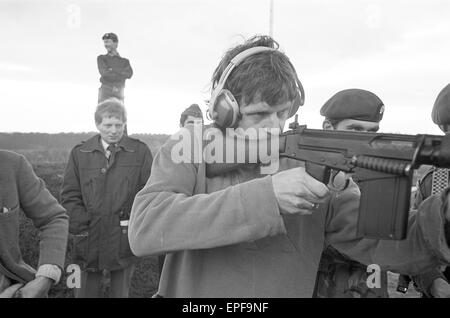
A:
[(243, 234)]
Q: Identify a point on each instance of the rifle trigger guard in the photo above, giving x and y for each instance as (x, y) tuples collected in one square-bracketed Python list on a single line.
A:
[(338, 181)]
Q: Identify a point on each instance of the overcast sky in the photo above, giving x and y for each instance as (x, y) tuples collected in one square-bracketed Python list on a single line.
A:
[(49, 79)]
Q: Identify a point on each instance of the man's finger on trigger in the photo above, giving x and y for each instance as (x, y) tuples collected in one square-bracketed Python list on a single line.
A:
[(311, 197), (307, 205), (304, 205), (314, 186), (319, 190)]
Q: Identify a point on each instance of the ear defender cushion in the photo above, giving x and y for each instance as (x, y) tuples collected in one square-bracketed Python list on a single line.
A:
[(226, 109), (298, 101), (293, 110)]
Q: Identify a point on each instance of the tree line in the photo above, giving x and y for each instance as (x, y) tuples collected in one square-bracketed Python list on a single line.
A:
[(55, 148)]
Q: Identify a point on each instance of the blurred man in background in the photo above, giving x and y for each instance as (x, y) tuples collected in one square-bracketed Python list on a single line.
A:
[(190, 115)]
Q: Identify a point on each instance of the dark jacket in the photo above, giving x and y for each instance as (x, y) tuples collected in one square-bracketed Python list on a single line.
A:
[(97, 197), (22, 190), (114, 70)]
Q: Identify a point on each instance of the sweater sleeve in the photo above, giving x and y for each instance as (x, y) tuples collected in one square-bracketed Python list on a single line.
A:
[(105, 71), (167, 216), (126, 71)]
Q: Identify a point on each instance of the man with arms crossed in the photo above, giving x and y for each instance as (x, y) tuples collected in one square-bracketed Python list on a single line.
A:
[(114, 70)]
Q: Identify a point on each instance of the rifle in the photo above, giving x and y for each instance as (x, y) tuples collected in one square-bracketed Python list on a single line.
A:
[(382, 165)]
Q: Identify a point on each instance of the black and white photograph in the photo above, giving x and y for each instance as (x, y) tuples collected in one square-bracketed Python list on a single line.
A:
[(241, 151)]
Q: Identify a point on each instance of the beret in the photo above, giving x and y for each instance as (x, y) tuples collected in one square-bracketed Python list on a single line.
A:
[(354, 103), (441, 108), (110, 36)]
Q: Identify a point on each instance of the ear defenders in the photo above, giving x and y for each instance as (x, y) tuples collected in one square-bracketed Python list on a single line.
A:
[(223, 107)]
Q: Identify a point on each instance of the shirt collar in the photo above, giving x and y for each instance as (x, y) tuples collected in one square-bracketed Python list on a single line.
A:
[(115, 54), (97, 143), (104, 144)]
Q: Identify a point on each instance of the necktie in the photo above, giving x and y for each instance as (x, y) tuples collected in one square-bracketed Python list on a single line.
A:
[(440, 181), (112, 153)]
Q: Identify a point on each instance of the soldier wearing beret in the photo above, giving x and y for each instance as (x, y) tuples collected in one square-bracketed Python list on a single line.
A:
[(114, 70), (190, 115), (434, 283), (353, 109), (338, 276)]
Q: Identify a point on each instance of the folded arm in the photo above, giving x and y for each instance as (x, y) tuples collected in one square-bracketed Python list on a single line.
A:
[(126, 72), (105, 71)]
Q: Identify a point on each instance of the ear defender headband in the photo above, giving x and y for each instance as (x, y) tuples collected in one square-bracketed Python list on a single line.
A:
[(223, 107)]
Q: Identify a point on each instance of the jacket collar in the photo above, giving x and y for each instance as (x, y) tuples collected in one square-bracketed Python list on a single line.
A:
[(114, 54), (95, 143)]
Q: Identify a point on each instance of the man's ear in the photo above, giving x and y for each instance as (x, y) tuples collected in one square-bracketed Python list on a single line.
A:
[(326, 125)]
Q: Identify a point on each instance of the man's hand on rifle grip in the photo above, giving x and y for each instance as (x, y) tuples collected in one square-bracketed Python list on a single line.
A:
[(297, 192)]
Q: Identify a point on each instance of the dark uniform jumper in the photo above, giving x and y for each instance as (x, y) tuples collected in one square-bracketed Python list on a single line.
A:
[(114, 70)]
